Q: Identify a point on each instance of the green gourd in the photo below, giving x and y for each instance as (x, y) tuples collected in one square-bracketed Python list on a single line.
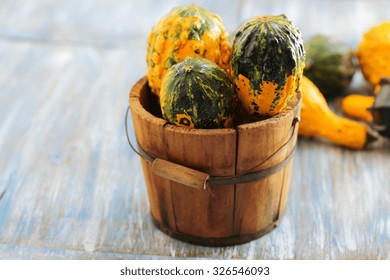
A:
[(329, 64), (197, 93), (268, 58)]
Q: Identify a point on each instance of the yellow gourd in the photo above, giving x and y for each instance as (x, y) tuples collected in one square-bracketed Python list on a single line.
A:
[(318, 120), (188, 31), (356, 106), (374, 53)]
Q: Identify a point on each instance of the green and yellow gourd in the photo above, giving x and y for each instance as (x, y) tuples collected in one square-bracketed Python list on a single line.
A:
[(197, 93), (185, 31), (268, 58)]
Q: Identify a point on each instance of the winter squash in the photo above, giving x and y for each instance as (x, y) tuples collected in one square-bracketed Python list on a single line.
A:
[(185, 31), (268, 58), (317, 120), (374, 53), (197, 93), (329, 64)]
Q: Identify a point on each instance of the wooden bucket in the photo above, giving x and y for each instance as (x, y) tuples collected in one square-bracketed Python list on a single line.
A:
[(214, 187)]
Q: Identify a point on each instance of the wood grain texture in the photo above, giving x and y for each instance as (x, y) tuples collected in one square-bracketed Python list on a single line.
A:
[(180, 174), (176, 207), (215, 205), (263, 145), (70, 186), (149, 132)]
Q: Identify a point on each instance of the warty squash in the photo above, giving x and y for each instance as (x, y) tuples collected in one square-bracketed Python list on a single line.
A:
[(185, 31), (373, 53), (268, 58), (318, 120)]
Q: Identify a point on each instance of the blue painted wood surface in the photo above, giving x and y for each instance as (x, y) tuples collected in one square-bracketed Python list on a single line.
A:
[(71, 188)]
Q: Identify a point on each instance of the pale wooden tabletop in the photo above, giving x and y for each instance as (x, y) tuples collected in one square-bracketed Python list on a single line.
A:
[(70, 186)]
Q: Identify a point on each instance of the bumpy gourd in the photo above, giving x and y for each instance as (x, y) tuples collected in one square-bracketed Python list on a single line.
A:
[(374, 53), (197, 93), (317, 120), (185, 31), (329, 64), (267, 63)]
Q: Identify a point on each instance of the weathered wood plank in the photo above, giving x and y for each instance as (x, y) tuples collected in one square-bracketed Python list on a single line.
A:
[(102, 23), (71, 188)]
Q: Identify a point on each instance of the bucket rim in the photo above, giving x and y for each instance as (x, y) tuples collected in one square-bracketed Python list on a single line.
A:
[(137, 107)]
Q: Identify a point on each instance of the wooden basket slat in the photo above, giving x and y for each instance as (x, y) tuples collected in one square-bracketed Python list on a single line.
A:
[(149, 131), (203, 213)]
